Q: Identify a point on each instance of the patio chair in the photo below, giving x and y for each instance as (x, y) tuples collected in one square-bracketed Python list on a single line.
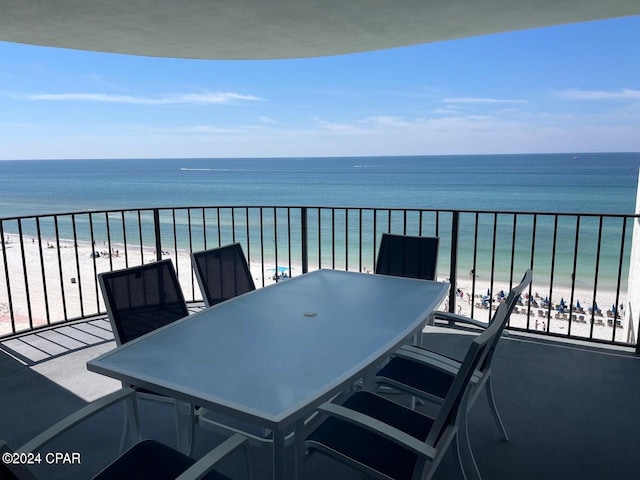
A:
[(222, 273), (146, 459), (430, 375), (140, 300), (387, 440), (407, 256)]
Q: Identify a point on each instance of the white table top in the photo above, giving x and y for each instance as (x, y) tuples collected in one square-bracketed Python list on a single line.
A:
[(273, 353)]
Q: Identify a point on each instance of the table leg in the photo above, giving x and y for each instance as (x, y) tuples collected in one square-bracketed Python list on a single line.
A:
[(184, 426), (279, 455), (417, 339), (369, 380), (299, 437), (131, 427)]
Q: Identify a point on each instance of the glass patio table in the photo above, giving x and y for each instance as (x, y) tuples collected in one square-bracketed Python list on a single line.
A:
[(271, 356)]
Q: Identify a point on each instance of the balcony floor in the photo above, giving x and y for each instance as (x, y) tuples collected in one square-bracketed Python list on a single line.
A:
[(571, 411)]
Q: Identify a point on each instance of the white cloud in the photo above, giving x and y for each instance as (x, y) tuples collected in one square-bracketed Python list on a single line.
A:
[(623, 94), (453, 110), (213, 98), (267, 120), (468, 100), (386, 121), (314, 135), (208, 129)]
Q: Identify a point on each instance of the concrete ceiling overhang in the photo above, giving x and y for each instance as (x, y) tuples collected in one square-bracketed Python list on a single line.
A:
[(270, 29)]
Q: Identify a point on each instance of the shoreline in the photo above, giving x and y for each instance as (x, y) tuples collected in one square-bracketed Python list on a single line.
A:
[(62, 273)]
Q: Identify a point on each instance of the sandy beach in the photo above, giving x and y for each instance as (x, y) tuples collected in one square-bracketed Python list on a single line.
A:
[(72, 270)]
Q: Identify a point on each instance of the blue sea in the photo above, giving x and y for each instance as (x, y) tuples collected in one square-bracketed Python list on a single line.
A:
[(602, 182), (577, 183)]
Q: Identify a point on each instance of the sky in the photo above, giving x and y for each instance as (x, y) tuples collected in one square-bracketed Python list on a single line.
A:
[(572, 88)]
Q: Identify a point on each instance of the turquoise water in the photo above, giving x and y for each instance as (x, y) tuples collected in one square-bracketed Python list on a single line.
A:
[(605, 183), (580, 183)]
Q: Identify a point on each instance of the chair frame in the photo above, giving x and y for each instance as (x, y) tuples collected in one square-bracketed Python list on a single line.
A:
[(451, 415), (481, 379), (127, 395), (185, 418)]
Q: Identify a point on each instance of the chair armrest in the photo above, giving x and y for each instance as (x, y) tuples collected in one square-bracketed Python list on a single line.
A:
[(208, 461), (434, 359), (428, 358), (381, 428), (69, 422), (452, 317)]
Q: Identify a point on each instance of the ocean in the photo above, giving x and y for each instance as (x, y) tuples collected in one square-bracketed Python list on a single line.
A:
[(576, 183), (602, 182)]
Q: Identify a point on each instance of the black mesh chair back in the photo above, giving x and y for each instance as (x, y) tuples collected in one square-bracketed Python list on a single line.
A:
[(222, 273), (142, 299), (407, 256)]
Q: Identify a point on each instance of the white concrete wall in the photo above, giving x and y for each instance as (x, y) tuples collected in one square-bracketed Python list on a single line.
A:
[(633, 306)]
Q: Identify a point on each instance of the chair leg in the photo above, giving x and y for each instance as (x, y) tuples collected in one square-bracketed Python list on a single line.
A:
[(125, 425), (494, 410), (245, 449), (465, 454)]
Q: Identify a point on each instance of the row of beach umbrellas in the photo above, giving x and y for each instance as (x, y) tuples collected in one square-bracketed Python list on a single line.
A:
[(561, 307)]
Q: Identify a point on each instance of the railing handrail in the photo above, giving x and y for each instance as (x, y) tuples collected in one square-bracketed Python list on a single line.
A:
[(328, 207)]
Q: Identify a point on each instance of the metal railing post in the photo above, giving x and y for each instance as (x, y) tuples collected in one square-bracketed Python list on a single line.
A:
[(156, 230), (304, 241), (455, 227)]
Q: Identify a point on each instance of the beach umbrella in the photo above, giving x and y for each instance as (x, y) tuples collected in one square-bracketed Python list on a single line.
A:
[(280, 272), (578, 304), (279, 269), (562, 304)]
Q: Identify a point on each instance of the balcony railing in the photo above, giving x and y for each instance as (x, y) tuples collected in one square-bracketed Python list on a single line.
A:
[(580, 261)]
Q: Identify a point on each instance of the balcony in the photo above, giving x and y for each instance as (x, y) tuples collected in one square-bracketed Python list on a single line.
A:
[(569, 409), (567, 390)]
